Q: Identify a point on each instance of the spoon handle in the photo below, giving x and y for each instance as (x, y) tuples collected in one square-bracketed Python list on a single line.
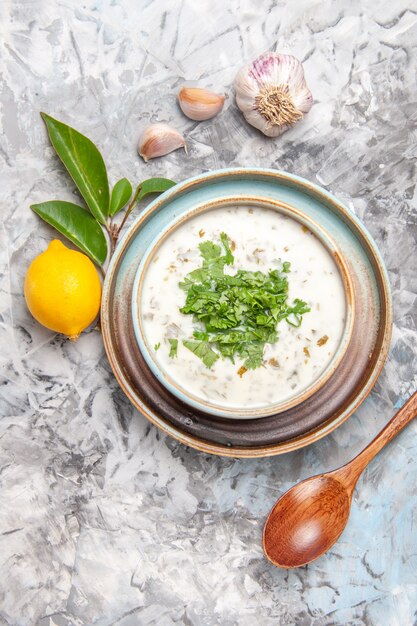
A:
[(350, 472)]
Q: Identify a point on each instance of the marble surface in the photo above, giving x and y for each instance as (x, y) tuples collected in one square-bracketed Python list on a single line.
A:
[(103, 519)]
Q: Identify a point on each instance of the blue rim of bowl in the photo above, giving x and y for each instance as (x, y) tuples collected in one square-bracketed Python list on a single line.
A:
[(240, 412)]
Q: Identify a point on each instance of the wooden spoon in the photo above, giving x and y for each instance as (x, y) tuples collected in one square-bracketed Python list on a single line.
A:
[(310, 517)]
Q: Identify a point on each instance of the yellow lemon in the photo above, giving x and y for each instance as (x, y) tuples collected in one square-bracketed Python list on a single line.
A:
[(63, 289)]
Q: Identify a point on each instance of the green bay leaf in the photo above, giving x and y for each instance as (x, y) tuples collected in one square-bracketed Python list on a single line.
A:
[(84, 164), (154, 185), (120, 196), (77, 225)]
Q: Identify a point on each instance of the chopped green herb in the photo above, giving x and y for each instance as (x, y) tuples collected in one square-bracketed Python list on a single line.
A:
[(203, 351), (236, 314), (157, 346), (209, 250), (173, 350)]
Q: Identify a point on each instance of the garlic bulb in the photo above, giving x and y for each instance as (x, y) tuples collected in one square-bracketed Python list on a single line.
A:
[(158, 140), (200, 104), (272, 93)]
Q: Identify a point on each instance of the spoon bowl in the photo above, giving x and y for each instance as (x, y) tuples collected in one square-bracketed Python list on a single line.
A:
[(310, 517), (306, 521)]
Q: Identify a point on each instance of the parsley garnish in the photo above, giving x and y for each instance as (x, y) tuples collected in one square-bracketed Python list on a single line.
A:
[(173, 350), (238, 314), (203, 351)]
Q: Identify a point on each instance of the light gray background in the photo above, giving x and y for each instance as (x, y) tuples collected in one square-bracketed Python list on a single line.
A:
[(103, 519)]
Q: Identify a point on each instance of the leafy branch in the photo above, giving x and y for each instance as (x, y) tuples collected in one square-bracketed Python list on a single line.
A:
[(86, 226)]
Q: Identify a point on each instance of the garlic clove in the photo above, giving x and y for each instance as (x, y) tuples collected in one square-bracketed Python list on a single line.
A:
[(200, 104), (158, 140), (272, 93)]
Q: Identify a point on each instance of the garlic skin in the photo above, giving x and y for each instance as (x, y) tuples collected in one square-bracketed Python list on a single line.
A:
[(200, 104), (158, 140), (272, 93)]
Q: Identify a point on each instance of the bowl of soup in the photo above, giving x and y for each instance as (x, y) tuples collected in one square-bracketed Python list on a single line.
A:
[(242, 310)]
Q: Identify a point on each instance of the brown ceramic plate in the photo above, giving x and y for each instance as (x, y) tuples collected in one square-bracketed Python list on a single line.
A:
[(318, 414)]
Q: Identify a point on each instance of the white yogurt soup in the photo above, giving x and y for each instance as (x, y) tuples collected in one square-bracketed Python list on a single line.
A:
[(263, 239)]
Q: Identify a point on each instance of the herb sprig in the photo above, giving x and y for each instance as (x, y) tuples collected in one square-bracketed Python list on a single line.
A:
[(87, 226), (237, 314)]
